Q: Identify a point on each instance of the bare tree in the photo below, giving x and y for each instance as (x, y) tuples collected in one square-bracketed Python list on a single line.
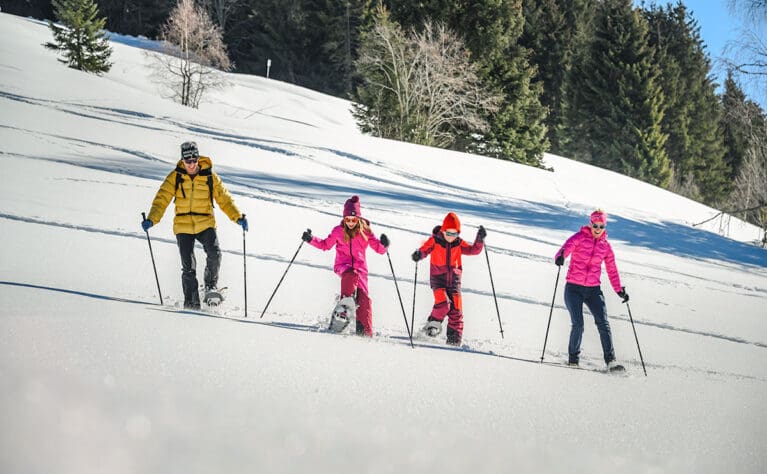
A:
[(749, 196), (419, 87), (748, 54), (194, 54), (222, 10)]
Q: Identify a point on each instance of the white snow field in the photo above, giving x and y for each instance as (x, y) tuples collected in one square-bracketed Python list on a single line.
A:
[(97, 376)]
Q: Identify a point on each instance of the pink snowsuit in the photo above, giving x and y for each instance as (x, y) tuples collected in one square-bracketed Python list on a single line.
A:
[(588, 254), (351, 266)]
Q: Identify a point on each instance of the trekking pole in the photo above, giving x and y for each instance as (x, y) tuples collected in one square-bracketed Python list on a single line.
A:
[(143, 215), (409, 333), (497, 311), (283, 277), (415, 285), (556, 283), (637, 339), (244, 270)]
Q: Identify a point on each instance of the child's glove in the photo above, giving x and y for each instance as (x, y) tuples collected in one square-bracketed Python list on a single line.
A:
[(416, 256), (307, 235), (384, 240), (560, 260), (481, 233)]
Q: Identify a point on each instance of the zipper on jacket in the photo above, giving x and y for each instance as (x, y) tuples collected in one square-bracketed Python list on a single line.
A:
[(588, 264), (449, 266)]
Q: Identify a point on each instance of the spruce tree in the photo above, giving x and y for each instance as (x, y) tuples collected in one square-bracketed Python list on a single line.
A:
[(695, 146), (555, 31), (81, 38), (615, 104), (735, 124)]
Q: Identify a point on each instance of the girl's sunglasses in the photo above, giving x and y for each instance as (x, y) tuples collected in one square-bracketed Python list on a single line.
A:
[(350, 219), (452, 234), (598, 226)]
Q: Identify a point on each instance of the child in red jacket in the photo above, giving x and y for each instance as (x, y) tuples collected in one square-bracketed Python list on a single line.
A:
[(446, 247)]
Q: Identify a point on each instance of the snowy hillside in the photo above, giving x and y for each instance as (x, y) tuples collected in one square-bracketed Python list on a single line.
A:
[(96, 376)]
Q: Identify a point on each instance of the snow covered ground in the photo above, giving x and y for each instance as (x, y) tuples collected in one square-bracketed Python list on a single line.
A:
[(96, 376)]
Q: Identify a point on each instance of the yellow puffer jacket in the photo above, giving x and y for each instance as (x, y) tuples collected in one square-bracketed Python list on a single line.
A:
[(194, 209)]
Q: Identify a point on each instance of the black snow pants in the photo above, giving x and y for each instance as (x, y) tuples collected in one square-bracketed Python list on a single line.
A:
[(209, 241)]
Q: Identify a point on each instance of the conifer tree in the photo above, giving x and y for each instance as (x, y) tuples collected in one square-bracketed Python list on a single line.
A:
[(555, 31), (735, 124), (695, 146), (81, 39), (615, 104)]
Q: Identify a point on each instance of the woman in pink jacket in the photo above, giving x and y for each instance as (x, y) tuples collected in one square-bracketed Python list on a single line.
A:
[(351, 237), (589, 248)]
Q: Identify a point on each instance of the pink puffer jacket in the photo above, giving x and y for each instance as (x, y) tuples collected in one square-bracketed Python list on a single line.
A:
[(588, 254), (350, 255)]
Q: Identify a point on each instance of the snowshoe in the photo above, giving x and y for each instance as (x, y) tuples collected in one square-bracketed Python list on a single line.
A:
[(344, 312), (433, 328), (214, 296), (613, 366)]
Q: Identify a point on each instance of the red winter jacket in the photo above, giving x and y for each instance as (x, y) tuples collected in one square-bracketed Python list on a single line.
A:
[(588, 254), (446, 267)]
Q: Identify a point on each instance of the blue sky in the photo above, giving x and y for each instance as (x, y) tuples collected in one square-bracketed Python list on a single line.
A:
[(718, 26)]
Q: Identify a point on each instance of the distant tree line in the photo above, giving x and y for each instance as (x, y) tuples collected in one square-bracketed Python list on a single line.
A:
[(622, 87)]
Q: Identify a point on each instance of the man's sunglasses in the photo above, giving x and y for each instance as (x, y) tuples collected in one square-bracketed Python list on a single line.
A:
[(190, 160), (452, 234), (598, 226)]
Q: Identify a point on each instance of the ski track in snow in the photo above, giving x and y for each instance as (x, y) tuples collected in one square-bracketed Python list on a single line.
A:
[(471, 347)]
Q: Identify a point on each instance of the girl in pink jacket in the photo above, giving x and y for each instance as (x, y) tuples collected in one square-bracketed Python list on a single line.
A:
[(351, 237), (589, 248)]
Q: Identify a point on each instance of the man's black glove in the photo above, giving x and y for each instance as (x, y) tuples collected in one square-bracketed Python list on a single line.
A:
[(481, 233), (623, 295), (416, 256), (384, 240), (560, 260), (307, 235)]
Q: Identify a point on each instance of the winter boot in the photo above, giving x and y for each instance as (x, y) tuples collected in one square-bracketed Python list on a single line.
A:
[(453, 337), (343, 313)]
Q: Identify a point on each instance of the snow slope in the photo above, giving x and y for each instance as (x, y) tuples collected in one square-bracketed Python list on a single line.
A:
[(96, 376)]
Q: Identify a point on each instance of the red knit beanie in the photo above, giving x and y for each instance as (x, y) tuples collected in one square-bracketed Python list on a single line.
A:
[(352, 207), (599, 217), (451, 222)]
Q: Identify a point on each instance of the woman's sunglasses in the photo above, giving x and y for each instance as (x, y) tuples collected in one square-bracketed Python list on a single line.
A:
[(598, 226), (452, 234)]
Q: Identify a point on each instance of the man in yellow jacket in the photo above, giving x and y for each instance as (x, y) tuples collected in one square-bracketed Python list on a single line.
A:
[(195, 186)]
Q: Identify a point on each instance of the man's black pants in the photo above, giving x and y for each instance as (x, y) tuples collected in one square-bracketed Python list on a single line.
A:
[(209, 241)]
